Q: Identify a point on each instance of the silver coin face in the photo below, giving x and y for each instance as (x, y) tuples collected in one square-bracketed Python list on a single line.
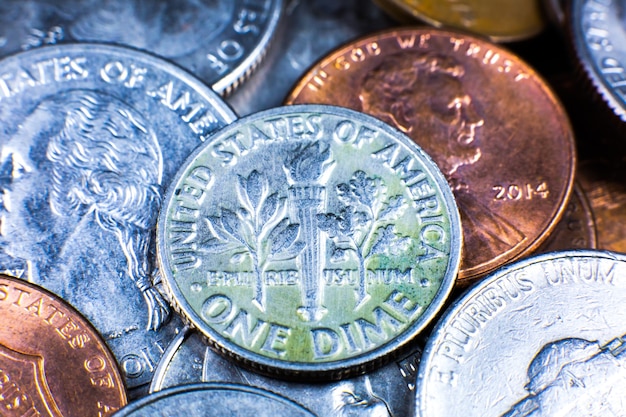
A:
[(542, 337), (91, 136), (220, 41), (310, 240), (298, 45), (213, 400), (599, 36), (387, 391)]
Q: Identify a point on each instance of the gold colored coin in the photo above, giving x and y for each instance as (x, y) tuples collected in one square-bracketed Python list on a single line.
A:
[(52, 361), (499, 20)]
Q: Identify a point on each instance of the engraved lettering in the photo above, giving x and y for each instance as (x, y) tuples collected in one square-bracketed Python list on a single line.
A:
[(19, 296), (276, 341), (382, 329), (4, 292), (401, 305), (325, 343)]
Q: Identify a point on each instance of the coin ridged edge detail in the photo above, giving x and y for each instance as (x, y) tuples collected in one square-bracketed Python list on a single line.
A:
[(332, 369)]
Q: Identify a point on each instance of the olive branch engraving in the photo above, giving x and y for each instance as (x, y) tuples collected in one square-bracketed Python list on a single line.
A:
[(364, 225), (259, 230)]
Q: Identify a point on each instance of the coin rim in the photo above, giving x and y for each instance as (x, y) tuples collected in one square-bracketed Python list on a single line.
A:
[(204, 386), (332, 369)]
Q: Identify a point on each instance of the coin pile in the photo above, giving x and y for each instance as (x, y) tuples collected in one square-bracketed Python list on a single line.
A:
[(274, 207)]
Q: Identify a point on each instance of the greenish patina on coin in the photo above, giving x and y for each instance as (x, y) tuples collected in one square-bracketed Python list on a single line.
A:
[(309, 240)]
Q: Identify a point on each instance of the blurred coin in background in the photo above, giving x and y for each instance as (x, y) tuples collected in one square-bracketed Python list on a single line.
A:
[(214, 400), (598, 34), (577, 228), (220, 41), (499, 20)]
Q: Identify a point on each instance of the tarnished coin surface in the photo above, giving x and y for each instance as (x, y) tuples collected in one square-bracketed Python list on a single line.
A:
[(603, 182), (214, 400), (388, 391), (309, 240), (499, 20), (598, 30), (91, 135), (220, 41), (542, 337), (480, 112), (52, 361), (577, 228)]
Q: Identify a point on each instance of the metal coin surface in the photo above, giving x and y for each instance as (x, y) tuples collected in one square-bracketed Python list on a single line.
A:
[(214, 400), (603, 182), (577, 228), (541, 337), (499, 20), (220, 41), (52, 361), (599, 36), (299, 44), (480, 112), (309, 240), (91, 135), (388, 391)]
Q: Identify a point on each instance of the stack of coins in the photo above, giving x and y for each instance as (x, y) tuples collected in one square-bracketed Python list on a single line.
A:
[(295, 253)]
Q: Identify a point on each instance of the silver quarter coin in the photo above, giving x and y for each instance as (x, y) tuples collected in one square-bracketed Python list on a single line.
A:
[(388, 391), (599, 37), (309, 240), (213, 400), (542, 337), (220, 41), (91, 135), (299, 45)]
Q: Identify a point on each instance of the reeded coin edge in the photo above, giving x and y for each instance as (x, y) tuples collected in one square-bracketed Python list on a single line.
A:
[(587, 68), (332, 370), (228, 84)]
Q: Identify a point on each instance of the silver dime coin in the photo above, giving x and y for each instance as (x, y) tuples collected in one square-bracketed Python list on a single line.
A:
[(541, 337), (214, 400), (309, 241), (220, 41), (387, 391), (91, 135), (599, 37), (299, 45)]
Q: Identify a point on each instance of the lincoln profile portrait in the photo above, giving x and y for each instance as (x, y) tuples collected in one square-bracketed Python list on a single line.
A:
[(80, 168), (423, 95)]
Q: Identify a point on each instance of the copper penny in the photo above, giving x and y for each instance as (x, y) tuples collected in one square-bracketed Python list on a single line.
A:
[(577, 228), (52, 361), (493, 126), (499, 20), (603, 182)]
